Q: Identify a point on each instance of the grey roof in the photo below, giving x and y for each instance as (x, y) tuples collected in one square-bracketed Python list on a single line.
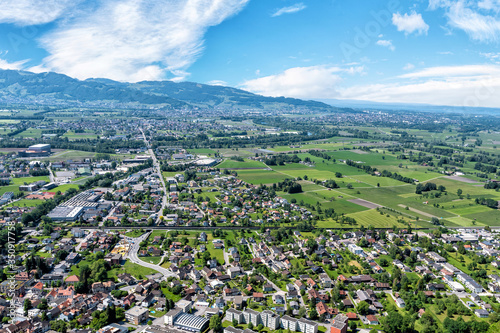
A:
[(191, 321)]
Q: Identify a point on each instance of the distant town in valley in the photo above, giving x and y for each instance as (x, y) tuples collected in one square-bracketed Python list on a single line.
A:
[(239, 219)]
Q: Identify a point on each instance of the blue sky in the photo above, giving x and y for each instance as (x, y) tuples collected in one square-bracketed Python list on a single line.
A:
[(433, 51)]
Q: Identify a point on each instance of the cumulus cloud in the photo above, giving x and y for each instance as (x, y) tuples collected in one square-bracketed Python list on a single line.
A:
[(134, 40), (386, 43), (478, 19), (31, 12), (410, 23), (290, 9), (299, 82)]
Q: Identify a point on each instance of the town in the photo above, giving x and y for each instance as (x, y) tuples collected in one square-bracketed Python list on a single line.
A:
[(231, 224)]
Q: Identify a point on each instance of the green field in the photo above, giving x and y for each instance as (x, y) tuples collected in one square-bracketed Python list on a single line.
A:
[(25, 203), (258, 177), (202, 151), (69, 155), (151, 260), (246, 164)]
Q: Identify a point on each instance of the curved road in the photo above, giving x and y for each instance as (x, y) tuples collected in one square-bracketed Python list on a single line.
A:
[(132, 255)]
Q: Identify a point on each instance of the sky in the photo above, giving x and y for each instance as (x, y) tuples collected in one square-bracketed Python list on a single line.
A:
[(439, 52)]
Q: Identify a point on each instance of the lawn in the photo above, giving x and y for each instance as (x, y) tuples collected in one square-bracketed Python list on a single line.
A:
[(170, 295), (134, 233), (63, 188), (217, 253), (151, 260), (135, 270), (26, 203), (28, 180)]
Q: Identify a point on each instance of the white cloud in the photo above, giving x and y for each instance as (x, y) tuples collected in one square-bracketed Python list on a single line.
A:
[(489, 5), (478, 19), (410, 23), (408, 67), (494, 57), (4, 64), (469, 85), (453, 71), (31, 12), (217, 83), (386, 43), (134, 40), (290, 9), (299, 82)]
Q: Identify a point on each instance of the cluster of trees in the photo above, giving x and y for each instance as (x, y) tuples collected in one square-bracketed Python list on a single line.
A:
[(396, 176), (281, 159), (487, 202), (485, 168), (320, 154), (492, 185), (460, 326), (330, 183), (288, 185), (428, 187)]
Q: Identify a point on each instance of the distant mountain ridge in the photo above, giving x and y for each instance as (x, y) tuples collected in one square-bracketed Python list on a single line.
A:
[(27, 87)]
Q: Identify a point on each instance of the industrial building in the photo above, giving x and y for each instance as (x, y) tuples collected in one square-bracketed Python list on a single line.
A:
[(38, 150)]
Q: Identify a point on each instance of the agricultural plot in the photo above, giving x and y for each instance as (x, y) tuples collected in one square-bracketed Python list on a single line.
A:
[(246, 164), (79, 136), (202, 151), (68, 155), (258, 177)]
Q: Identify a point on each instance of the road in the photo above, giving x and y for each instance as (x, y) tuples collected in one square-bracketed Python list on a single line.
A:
[(156, 165), (111, 212), (51, 174), (132, 255)]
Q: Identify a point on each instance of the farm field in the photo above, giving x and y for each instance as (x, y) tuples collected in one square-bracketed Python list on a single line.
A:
[(246, 164), (258, 177)]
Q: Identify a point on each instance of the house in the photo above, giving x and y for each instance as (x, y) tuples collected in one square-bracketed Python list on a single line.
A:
[(400, 303), (325, 280), (372, 320), (233, 272), (220, 303), (258, 297), (481, 313), (238, 302)]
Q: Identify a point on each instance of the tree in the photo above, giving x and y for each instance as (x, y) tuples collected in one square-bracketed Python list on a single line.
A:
[(250, 325), (235, 322), (393, 322), (353, 326), (26, 306), (363, 308), (216, 324), (302, 312), (313, 315)]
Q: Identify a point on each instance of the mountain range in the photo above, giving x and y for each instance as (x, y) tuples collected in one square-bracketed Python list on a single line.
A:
[(23, 87)]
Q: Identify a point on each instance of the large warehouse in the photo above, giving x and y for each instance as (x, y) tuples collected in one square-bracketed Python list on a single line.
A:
[(38, 150)]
